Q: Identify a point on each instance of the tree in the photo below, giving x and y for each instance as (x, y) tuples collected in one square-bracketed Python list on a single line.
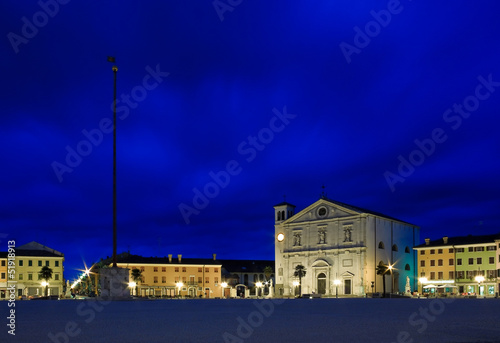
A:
[(300, 272), (268, 271), (137, 277), (45, 274), (382, 269)]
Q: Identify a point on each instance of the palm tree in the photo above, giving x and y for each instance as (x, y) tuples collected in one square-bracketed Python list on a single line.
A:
[(45, 274), (300, 272), (382, 269), (137, 277)]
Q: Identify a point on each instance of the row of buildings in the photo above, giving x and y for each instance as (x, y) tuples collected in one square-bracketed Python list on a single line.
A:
[(341, 247)]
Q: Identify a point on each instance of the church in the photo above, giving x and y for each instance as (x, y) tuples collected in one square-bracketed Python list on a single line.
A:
[(340, 247)]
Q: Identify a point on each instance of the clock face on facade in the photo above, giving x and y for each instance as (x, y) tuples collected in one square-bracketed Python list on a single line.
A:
[(280, 237)]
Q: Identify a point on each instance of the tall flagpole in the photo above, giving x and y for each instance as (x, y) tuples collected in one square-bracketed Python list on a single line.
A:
[(115, 69)]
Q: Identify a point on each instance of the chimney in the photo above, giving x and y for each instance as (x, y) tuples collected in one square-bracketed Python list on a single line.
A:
[(169, 258), (214, 256), (179, 257), (427, 241), (445, 239)]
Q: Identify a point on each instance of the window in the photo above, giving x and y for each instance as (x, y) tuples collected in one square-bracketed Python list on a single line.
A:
[(491, 260), (381, 245), (450, 262), (155, 269), (479, 249), (200, 280), (433, 251), (433, 263), (2, 276), (56, 263), (21, 276), (440, 275), (440, 251), (479, 260), (471, 249), (30, 276), (183, 269), (207, 279), (450, 250), (459, 261), (407, 267), (255, 278), (39, 263), (46, 263), (30, 263), (216, 270), (56, 277), (394, 247), (184, 279), (21, 262), (433, 275), (450, 275), (459, 250), (176, 279), (471, 260), (422, 274), (39, 277), (199, 270), (142, 269), (407, 250), (440, 263), (176, 269), (460, 274), (163, 279), (207, 270), (3, 263), (470, 274), (491, 273), (155, 279), (422, 263), (216, 279), (422, 252), (163, 269), (491, 248)]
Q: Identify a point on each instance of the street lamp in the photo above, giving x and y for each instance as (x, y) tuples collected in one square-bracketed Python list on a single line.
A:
[(259, 285), (392, 280), (423, 280), (132, 285), (179, 286), (479, 279), (224, 285), (336, 283)]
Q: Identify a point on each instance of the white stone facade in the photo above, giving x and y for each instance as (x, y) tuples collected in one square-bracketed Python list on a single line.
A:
[(336, 241)]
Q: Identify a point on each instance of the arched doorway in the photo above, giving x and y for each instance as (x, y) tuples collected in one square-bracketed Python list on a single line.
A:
[(321, 283)]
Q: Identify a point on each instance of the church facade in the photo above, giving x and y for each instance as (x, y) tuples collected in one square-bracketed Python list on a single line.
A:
[(340, 247)]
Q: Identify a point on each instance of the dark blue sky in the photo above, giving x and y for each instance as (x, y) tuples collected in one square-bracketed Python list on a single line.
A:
[(286, 96)]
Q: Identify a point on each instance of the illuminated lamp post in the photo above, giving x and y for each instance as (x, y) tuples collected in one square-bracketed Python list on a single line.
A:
[(336, 283), (224, 285), (479, 279)]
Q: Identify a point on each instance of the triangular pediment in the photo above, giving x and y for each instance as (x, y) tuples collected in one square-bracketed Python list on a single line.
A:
[(322, 210)]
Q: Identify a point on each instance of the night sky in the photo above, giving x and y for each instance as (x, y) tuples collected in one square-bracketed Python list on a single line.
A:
[(393, 106)]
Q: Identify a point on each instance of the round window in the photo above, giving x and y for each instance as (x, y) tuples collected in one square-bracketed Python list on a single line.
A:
[(322, 212)]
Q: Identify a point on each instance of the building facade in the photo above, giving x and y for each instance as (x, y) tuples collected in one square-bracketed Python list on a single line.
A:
[(244, 276), (340, 246), (29, 260), (451, 265), (170, 277)]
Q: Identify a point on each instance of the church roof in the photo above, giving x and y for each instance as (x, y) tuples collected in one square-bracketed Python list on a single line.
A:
[(363, 210), (284, 203)]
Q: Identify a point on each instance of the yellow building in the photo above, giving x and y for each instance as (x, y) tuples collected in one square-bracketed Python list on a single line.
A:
[(436, 267), (169, 277), (29, 260)]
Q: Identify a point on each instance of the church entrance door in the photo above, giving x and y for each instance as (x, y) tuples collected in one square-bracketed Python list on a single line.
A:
[(322, 283)]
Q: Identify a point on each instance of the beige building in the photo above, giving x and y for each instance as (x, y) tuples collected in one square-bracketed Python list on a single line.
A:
[(29, 260), (172, 276)]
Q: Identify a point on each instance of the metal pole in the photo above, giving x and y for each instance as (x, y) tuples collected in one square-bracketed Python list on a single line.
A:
[(115, 69)]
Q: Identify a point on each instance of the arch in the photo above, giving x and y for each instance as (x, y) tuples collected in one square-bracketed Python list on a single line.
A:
[(278, 215), (283, 215), (320, 262), (255, 278), (394, 247), (381, 245), (407, 267), (407, 250)]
